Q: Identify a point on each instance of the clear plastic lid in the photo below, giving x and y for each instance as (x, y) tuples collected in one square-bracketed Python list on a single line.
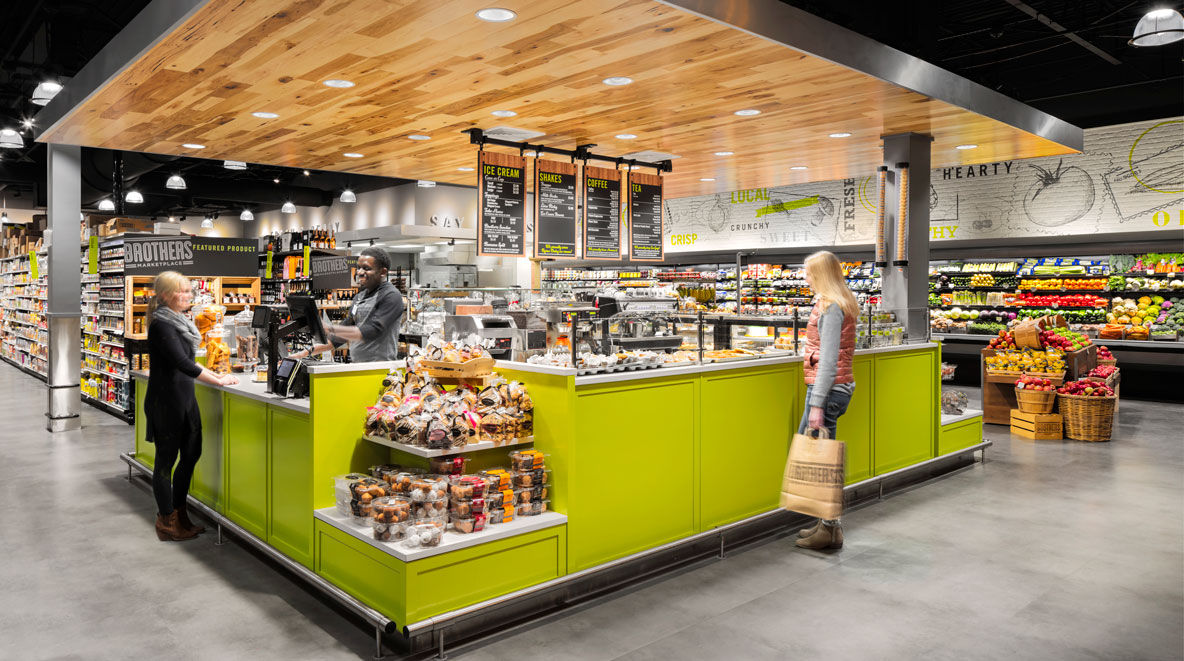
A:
[(467, 486), (501, 497), (469, 524), (402, 480), (428, 509), (342, 482), (527, 459), (450, 466), (468, 507), (533, 508), (423, 535), (500, 514), (429, 488), (531, 478), (390, 532), (385, 472), (390, 509), (534, 493), (498, 477)]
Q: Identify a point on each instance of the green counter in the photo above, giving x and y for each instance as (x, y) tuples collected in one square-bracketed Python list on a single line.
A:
[(638, 459)]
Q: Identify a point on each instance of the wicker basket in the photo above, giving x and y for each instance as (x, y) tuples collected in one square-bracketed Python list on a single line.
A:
[(1035, 401), (1108, 361), (1087, 418)]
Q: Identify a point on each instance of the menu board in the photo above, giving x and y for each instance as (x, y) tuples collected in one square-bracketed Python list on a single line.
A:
[(645, 217), (555, 209), (501, 222), (602, 213)]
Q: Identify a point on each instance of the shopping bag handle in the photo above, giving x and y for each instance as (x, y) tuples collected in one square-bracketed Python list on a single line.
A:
[(819, 432)]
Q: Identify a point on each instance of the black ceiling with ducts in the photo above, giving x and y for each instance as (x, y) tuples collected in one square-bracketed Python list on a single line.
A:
[(1069, 58)]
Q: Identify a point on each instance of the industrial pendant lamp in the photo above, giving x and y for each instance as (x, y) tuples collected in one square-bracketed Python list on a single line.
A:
[(10, 139), (45, 92), (4, 213), (175, 182), (207, 223), (1158, 27), (288, 207), (348, 196), (134, 197), (246, 215), (106, 205)]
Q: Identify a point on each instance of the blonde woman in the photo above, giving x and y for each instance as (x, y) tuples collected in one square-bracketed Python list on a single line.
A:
[(830, 382), (172, 419)]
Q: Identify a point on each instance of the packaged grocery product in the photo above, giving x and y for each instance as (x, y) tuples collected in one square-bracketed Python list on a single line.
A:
[(363, 492), (500, 478), (429, 508), (469, 524), (468, 507), (402, 480), (467, 486), (500, 514), (429, 487), (533, 508), (531, 478), (448, 465), (385, 472), (423, 535), (524, 460), (534, 493), (341, 491), (389, 517), (501, 497)]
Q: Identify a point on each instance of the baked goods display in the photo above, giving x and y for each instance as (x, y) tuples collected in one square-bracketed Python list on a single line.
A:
[(595, 363), (355, 493), (390, 516)]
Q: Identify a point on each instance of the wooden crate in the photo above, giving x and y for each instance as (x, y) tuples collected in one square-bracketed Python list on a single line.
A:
[(1037, 426), (999, 392), (1079, 363), (476, 372)]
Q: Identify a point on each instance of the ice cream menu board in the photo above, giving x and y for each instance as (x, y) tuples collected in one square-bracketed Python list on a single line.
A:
[(555, 209), (645, 217), (501, 226), (602, 213)]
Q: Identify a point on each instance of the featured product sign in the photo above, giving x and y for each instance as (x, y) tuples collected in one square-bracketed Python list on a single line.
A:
[(602, 213), (645, 217), (191, 255), (555, 209), (501, 223), (333, 272)]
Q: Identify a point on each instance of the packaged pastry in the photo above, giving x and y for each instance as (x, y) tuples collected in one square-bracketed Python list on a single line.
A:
[(389, 517), (401, 482), (388, 401), (525, 423), (438, 436), (448, 465), (516, 390), (385, 472), (410, 430), (524, 460), (500, 514), (388, 420), (493, 426), (530, 478), (423, 535), (429, 487), (342, 495), (500, 478), (501, 498), (488, 399), (432, 508), (393, 381), (532, 494), (525, 403), (469, 524), (533, 508), (468, 396), (467, 507), (467, 486), (373, 415), (363, 492)]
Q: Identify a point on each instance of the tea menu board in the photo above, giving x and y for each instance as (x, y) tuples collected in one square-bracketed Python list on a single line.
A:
[(501, 226), (602, 213), (645, 217), (555, 209)]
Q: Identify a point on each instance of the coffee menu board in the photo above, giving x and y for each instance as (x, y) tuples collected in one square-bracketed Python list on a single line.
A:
[(602, 213), (555, 189), (501, 223), (645, 217)]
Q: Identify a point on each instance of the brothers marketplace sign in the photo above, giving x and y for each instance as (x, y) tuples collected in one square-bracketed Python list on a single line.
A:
[(1128, 179), (191, 255)]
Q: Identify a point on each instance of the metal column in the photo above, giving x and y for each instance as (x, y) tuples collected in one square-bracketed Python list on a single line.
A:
[(906, 288), (65, 284)]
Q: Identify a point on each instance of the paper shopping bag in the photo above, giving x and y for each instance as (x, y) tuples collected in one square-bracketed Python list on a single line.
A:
[(813, 482)]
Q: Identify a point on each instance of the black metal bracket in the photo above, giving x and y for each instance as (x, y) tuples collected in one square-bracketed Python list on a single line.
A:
[(581, 152)]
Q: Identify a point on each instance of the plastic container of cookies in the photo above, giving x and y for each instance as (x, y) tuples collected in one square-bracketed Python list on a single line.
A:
[(363, 491), (530, 478), (389, 518), (533, 508), (401, 481), (524, 460), (467, 486), (341, 491), (385, 472), (463, 508), (430, 508), (532, 494), (429, 487), (423, 535), (500, 514), (501, 498), (469, 524), (448, 465), (497, 478)]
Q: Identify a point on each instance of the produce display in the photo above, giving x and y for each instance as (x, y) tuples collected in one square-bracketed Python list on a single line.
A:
[(1004, 340), (1063, 339), (1086, 388), (1060, 300), (1034, 383), (1063, 283), (1104, 353), (1049, 361), (1103, 371)]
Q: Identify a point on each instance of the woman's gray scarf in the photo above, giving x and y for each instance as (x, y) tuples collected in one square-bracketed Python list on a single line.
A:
[(180, 322)]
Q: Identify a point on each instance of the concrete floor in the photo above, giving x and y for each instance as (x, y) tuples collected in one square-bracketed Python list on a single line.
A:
[(1052, 550)]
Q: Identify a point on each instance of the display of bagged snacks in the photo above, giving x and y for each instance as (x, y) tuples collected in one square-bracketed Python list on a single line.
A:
[(533, 508), (530, 478), (424, 535), (469, 524), (524, 460), (496, 515), (448, 465), (341, 491), (467, 486), (363, 491), (467, 507), (534, 493), (389, 517)]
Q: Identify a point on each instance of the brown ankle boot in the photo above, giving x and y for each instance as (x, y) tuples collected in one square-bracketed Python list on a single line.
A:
[(168, 530), (185, 523), (826, 537), (806, 532)]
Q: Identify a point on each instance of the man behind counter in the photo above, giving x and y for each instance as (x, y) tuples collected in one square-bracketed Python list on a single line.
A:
[(372, 326)]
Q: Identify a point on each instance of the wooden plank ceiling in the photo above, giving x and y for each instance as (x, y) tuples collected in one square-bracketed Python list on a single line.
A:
[(433, 68)]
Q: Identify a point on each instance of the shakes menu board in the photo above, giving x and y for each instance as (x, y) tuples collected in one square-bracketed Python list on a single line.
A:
[(602, 213), (501, 224), (645, 217), (555, 209), (191, 255)]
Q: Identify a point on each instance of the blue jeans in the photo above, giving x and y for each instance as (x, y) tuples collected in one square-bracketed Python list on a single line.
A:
[(836, 405)]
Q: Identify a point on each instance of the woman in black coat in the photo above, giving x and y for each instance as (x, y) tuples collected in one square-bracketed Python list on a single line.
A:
[(173, 421)]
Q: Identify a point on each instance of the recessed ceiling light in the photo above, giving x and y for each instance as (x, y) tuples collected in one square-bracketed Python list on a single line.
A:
[(840, 134), (466, 169), (234, 165), (419, 136), (338, 83), (496, 15), (423, 183), (617, 81), (966, 147), (625, 136), (265, 115), (799, 167), (747, 112), (352, 154), (707, 179), (504, 113), (724, 153), (193, 145), (529, 152)]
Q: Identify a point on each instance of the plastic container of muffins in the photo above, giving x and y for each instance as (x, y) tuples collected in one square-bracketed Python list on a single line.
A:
[(469, 524), (423, 535), (389, 517), (530, 478), (341, 491), (533, 508), (524, 460)]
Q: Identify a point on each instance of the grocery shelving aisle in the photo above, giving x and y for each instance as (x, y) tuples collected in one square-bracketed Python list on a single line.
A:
[(1049, 550)]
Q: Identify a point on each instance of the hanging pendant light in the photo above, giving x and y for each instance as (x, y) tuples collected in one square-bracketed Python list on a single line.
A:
[(45, 92), (246, 215), (134, 197), (1158, 28), (175, 182), (207, 223), (234, 165), (10, 139), (4, 213), (288, 207), (106, 205), (348, 196)]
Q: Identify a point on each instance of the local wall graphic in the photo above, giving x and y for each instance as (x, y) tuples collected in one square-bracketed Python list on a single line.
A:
[(191, 255), (1129, 178)]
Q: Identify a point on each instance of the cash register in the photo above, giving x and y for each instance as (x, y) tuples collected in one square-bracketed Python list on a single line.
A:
[(288, 377)]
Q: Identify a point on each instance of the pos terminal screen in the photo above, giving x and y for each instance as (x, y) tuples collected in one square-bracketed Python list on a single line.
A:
[(304, 310)]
